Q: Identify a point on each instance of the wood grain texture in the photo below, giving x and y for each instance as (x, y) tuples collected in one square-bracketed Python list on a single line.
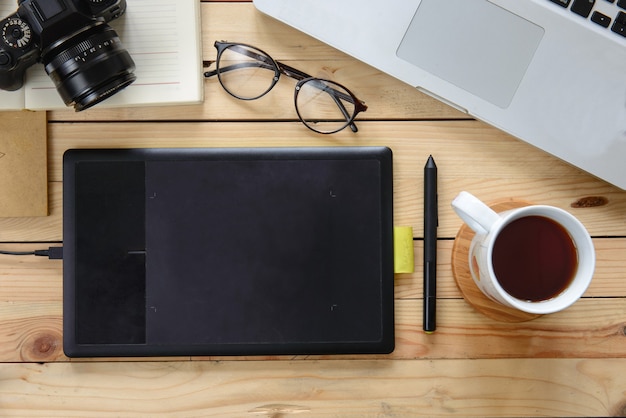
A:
[(521, 387), (566, 364)]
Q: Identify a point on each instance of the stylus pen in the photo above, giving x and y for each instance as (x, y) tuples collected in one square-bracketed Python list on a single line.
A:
[(430, 245)]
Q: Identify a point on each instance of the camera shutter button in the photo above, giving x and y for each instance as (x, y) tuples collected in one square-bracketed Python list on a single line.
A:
[(5, 59)]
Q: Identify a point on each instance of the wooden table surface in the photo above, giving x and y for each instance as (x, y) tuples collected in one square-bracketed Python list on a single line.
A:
[(565, 364)]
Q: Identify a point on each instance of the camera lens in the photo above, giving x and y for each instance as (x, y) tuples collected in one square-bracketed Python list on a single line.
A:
[(89, 66)]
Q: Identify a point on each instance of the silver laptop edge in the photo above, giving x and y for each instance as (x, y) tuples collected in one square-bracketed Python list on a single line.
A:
[(561, 88)]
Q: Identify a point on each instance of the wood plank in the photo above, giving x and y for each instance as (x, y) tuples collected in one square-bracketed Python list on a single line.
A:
[(409, 140), (518, 387), (385, 96), (591, 328), (464, 149), (500, 165)]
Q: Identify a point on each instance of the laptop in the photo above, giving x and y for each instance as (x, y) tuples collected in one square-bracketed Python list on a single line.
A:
[(550, 72), (218, 251)]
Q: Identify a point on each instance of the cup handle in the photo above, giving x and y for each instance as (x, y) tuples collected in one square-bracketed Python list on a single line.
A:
[(474, 213)]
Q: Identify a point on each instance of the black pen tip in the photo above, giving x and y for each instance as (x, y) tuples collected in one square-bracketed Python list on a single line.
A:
[(431, 162)]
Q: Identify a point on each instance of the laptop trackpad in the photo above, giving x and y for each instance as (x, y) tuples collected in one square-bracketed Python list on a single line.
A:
[(472, 44)]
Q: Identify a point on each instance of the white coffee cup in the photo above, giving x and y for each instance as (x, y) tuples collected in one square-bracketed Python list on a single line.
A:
[(506, 232)]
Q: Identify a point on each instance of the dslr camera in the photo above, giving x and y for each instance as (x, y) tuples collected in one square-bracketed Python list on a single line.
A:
[(81, 53)]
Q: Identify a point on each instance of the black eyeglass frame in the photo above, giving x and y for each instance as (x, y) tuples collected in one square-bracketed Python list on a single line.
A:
[(266, 61)]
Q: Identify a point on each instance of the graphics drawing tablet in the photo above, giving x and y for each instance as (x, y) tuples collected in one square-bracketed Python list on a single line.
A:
[(228, 251)]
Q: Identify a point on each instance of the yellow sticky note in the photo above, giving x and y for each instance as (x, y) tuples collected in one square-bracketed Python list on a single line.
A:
[(403, 260)]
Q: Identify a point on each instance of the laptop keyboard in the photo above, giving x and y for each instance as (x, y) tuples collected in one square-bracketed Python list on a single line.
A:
[(609, 14)]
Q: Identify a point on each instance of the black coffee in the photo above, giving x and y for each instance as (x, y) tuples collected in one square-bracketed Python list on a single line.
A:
[(534, 258)]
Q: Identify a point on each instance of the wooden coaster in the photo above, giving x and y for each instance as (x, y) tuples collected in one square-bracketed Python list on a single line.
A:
[(460, 269)]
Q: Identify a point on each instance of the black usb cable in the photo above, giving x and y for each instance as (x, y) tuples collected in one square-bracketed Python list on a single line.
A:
[(53, 253)]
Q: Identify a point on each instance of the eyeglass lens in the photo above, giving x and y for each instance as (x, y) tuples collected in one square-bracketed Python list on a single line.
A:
[(324, 106), (248, 73)]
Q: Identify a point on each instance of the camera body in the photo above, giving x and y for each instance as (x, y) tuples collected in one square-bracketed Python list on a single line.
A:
[(80, 51)]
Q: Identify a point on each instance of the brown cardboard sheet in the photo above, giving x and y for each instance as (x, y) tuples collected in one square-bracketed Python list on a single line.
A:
[(23, 164)]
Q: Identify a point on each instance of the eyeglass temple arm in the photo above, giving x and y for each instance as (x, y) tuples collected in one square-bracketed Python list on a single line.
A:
[(250, 64), (261, 61), (335, 94)]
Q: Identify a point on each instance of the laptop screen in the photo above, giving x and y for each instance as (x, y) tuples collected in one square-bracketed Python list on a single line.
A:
[(228, 251)]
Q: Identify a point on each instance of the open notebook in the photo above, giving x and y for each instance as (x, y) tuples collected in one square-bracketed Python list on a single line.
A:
[(164, 39)]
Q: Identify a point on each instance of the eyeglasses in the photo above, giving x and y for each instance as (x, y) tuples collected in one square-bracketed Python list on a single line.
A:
[(249, 73)]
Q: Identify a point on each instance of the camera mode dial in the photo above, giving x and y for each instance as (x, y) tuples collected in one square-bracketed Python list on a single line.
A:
[(16, 33)]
